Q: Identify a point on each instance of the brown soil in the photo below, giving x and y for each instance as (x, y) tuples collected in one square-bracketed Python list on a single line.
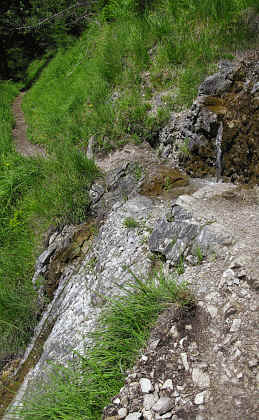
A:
[(22, 144)]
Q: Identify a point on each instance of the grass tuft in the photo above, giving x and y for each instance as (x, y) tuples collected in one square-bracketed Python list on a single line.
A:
[(130, 222), (82, 392)]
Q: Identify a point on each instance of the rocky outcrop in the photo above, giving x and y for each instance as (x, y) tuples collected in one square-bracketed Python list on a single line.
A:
[(227, 101), (181, 236), (201, 364)]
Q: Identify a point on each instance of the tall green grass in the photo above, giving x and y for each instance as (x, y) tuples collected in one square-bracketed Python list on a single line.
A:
[(81, 392), (16, 294), (169, 47), (173, 45), (34, 193)]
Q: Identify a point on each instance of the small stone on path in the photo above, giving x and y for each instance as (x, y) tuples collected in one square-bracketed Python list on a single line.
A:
[(163, 405), (146, 385), (134, 416), (200, 378)]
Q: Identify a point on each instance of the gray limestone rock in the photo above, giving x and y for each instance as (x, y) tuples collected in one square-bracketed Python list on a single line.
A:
[(102, 272), (255, 89), (149, 401), (203, 140), (134, 416), (217, 83), (117, 185), (200, 378), (173, 239), (213, 238), (163, 405), (185, 236), (146, 385), (122, 412)]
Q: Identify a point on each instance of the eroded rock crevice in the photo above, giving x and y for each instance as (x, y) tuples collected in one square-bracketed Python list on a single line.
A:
[(231, 98)]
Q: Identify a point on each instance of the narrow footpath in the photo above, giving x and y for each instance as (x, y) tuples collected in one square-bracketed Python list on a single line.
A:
[(22, 144)]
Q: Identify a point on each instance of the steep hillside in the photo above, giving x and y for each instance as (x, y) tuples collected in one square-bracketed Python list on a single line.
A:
[(121, 80), (132, 72)]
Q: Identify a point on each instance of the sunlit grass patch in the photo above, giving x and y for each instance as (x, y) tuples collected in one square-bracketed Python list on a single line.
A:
[(34, 193)]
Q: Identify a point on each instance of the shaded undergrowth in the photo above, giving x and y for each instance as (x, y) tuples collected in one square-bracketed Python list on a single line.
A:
[(82, 391)]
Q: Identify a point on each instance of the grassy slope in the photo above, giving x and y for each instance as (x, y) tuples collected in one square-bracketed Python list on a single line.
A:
[(16, 241), (171, 47), (34, 193)]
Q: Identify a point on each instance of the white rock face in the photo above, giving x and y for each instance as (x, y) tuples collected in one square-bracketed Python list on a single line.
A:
[(185, 361), (201, 397), (235, 325), (77, 304), (168, 384)]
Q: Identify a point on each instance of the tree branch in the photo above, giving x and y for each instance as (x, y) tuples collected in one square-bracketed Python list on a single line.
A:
[(54, 16)]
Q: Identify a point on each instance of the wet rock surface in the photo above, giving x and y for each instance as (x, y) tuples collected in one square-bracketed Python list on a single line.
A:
[(228, 98)]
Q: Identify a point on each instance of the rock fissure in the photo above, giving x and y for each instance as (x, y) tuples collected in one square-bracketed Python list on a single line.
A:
[(229, 97)]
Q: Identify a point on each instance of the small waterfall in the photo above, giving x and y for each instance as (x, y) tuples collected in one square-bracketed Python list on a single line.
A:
[(219, 152)]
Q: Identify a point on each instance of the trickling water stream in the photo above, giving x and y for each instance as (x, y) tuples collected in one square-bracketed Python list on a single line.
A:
[(219, 152)]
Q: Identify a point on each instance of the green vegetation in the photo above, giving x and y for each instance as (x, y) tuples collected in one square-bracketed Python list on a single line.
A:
[(28, 28), (138, 172), (180, 269), (167, 184), (123, 329), (85, 90), (199, 254), (34, 194), (100, 85), (184, 148), (130, 222)]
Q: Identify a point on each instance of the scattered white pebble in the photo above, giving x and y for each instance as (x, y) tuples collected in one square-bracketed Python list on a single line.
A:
[(146, 385), (122, 412), (235, 325), (117, 401), (200, 378), (185, 361), (168, 384)]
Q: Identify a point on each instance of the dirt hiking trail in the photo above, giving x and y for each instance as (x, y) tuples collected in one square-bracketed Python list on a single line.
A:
[(22, 144)]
